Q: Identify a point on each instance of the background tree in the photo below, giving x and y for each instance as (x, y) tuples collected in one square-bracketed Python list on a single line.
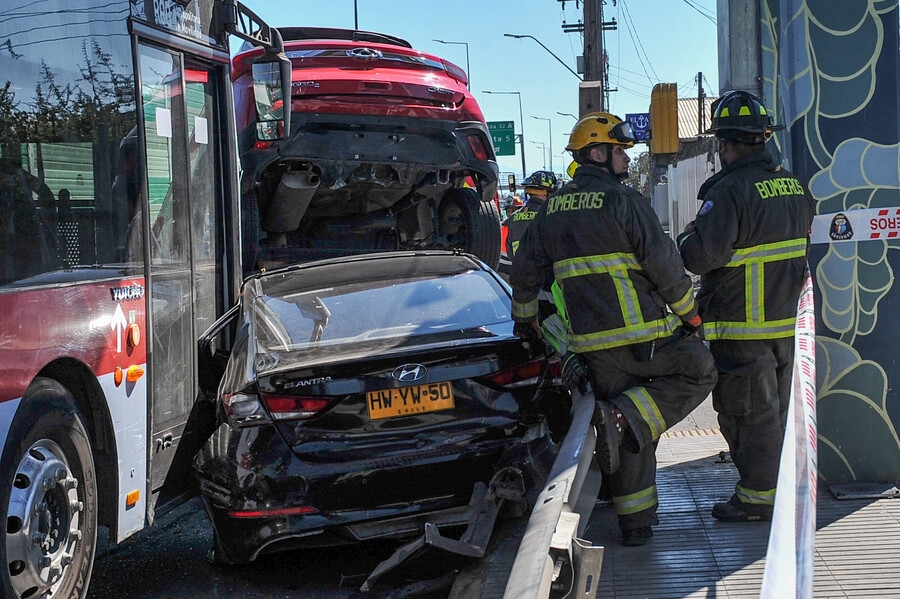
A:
[(639, 174)]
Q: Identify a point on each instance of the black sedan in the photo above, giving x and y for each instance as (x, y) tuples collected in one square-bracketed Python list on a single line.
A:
[(375, 396)]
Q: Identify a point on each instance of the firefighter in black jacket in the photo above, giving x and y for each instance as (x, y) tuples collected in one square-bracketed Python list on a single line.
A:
[(630, 312), (537, 188), (513, 204), (749, 243)]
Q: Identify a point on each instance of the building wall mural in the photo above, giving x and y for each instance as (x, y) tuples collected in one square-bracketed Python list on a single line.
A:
[(832, 69)]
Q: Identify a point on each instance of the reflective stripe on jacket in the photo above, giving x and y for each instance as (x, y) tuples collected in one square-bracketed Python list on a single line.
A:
[(618, 271), (749, 242)]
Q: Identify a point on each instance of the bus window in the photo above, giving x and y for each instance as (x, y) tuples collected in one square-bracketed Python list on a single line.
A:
[(27, 244), (204, 139), (64, 175)]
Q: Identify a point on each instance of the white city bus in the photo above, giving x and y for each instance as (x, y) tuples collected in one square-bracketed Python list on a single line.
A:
[(118, 247)]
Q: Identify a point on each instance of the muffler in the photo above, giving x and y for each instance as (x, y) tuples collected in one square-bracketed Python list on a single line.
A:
[(284, 211)]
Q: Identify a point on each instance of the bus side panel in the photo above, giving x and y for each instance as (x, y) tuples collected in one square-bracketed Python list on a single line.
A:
[(103, 327), (129, 415)]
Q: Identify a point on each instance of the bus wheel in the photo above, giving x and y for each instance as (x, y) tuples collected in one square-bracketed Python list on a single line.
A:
[(48, 492), (470, 224)]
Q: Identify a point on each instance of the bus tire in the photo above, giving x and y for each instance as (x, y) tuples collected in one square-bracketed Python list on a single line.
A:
[(471, 225), (48, 493)]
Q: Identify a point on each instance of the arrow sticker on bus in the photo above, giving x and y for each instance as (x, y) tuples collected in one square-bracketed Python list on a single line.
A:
[(118, 325)]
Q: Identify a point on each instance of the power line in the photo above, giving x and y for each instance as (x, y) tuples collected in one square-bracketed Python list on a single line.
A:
[(703, 11), (638, 46), (642, 89), (10, 15), (562, 18), (649, 77), (683, 91), (640, 84), (624, 70)]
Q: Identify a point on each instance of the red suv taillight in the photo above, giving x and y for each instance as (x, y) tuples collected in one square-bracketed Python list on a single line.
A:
[(477, 147), (242, 62), (456, 72), (295, 407), (523, 375)]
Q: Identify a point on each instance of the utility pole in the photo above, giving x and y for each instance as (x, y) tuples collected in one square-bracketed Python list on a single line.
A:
[(590, 92), (593, 42), (701, 105), (593, 91)]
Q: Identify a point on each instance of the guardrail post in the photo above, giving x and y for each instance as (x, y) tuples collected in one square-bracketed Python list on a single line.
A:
[(552, 561)]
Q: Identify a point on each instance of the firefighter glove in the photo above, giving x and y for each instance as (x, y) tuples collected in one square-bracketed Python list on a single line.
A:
[(574, 374), (527, 330), (693, 324)]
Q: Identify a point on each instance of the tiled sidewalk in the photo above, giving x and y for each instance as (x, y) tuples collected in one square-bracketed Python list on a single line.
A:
[(692, 555)]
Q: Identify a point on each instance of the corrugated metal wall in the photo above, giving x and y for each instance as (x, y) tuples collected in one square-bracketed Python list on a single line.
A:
[(676, 200)]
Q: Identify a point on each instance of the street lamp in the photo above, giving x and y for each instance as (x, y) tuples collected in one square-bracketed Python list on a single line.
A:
[(550, 125), (543, 151), (567, 114), (468, 73), (547, 49), (521, 124)]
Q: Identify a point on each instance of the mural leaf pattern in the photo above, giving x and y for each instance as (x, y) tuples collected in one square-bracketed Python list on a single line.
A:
[(852, 416), (819, 62)]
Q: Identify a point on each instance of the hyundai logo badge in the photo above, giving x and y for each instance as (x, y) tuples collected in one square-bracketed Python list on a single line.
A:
[(364, 53), (409, 373)]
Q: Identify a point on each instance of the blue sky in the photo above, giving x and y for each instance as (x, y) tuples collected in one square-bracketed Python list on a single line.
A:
[(656, 41)]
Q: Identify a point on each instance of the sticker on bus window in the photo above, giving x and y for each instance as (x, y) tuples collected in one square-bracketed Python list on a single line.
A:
[(201, 133), (163, 122)]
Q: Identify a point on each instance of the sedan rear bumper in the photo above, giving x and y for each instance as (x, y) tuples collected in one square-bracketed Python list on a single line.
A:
[(239, 494)]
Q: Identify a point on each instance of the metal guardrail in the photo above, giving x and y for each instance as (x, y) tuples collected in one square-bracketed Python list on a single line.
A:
[(552, 561)]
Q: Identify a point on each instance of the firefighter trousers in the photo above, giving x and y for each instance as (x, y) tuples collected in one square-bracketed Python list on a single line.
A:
[(654, 386), (752, 398)]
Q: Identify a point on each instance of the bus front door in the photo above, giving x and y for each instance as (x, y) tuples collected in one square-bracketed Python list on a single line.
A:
[(182, 101)]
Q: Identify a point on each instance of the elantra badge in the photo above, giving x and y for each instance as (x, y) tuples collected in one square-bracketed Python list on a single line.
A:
[(409, 373)]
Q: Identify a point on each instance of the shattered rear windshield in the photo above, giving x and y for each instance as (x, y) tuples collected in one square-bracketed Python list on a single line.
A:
[(388, 309)]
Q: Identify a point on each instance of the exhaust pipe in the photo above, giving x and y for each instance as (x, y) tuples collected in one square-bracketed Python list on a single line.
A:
[(284, 211)]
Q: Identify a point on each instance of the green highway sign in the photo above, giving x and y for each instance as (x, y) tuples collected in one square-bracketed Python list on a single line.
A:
[(503, 135)]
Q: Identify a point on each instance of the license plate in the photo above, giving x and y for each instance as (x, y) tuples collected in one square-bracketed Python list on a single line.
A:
[(407, 401)]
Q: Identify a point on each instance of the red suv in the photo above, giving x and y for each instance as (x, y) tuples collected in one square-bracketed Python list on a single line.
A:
[(387, 149)]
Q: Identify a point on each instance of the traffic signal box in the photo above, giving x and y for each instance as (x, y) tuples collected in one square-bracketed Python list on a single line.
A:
[(664, 119)]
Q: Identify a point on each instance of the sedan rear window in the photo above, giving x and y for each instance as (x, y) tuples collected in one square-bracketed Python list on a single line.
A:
[(361, 312)]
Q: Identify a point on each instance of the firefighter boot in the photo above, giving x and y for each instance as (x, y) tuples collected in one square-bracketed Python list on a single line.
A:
[(637, 537), (610, 425), (734, 510)]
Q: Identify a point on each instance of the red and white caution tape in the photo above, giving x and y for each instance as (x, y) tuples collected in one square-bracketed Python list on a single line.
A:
[(856, 225), (789, 558)]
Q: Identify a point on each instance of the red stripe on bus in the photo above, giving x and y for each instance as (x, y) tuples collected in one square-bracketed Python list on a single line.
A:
[(85, 322)]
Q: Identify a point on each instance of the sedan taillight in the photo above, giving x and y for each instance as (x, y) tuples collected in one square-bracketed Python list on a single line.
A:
[(554, 366), (264, 513), (523, 375), (295, 407), (244, 409)]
